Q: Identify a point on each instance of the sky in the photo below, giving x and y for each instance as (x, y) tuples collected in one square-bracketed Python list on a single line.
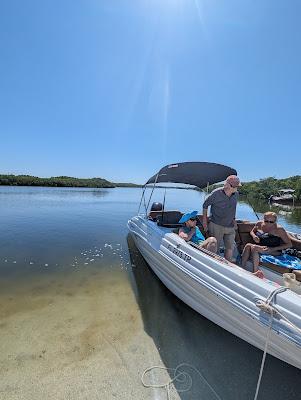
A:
[(119, 88)]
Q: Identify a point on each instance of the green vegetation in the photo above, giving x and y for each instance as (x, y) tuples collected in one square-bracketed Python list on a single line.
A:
[(57, 181), (60, 181), (122, 184), (266, 187), (261, 189)]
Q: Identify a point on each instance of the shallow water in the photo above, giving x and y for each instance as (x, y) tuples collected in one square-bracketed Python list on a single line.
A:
[(82, 316)]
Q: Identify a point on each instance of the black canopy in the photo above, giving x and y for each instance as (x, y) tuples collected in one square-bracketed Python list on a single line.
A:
[(193, 173)]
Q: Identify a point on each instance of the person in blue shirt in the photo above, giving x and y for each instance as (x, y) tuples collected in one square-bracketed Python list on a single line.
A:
[(191, 232)]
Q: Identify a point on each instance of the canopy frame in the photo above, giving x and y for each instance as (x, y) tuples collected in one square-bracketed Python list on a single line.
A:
[(198, 174)]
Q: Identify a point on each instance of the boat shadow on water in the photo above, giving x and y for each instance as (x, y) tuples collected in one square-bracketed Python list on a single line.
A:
[(227, 365)]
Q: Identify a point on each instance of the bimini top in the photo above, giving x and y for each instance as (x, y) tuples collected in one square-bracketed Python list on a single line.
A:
[(198, 174)]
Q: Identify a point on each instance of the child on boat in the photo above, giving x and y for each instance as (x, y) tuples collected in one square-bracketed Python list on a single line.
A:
[(191, 232)]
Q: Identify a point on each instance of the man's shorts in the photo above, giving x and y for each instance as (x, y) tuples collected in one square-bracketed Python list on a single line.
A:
[(222, 234)]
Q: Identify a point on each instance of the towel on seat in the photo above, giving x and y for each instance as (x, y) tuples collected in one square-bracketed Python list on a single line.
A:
[(285, 260)]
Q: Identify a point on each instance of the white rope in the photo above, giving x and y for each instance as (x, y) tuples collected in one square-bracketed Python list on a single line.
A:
[(180, 377), (263, 357), (267, 306)]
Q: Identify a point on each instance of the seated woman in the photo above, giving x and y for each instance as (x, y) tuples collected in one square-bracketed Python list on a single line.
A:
[(270, 238), (190, 232)]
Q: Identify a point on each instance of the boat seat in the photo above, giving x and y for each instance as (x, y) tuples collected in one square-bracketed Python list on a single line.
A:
[(168, 219), (243, 234), (171, 219)]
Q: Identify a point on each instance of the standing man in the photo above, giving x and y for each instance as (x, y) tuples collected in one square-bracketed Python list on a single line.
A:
[(223, 202)]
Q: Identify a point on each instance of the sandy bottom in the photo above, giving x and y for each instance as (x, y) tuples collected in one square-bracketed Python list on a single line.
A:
[(78, 336)]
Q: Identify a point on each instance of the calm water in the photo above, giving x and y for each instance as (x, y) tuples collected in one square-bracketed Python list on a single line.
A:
[(82, 316)]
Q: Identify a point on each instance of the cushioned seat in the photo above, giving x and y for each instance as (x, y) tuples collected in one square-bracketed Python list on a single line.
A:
[(169, 219)]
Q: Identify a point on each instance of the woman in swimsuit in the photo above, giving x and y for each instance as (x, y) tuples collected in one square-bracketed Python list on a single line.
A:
[(269, 237)]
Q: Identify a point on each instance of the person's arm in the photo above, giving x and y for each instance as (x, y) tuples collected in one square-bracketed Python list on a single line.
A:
[(205, 220), (190, 234), (234, 220), (182, 234), (287, 243), (253, 233), (208, 202), (186, 236)]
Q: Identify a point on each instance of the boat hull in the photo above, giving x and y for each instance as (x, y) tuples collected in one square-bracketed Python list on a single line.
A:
[(225, 295), (279, 200)]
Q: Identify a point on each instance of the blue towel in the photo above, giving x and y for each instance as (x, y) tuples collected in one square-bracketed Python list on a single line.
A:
[(285, 260)]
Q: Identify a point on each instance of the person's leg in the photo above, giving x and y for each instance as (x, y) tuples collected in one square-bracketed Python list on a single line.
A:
[(298, 274), (257, 250), (217, 232), (210, 244), (229, 240), (255, 258), (246, 254), (229, 254)]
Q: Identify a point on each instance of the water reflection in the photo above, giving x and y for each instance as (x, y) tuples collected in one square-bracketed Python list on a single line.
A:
[(181, 335), (291, 214), (47, 196)]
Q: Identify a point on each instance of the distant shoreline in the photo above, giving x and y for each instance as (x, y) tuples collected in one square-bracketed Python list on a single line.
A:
[(261, 189), (60, 181)]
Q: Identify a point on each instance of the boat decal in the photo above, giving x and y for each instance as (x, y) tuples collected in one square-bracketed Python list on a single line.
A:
[(179, 253)]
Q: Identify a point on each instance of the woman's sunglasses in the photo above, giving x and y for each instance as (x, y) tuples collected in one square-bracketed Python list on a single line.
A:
[(193, 219), (269, 222)]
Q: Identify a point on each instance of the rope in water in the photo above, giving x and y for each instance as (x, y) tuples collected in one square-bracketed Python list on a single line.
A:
[(179, 377), (267, 306)]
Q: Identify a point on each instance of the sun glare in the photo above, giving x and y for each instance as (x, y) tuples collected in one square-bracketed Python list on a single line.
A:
[(175, 10)]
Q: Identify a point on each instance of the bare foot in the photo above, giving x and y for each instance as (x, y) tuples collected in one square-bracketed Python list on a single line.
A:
[(259, 274)]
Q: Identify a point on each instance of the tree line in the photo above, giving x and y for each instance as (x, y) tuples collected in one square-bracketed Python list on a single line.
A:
[(266, 187), (261, 189), (57, 181)]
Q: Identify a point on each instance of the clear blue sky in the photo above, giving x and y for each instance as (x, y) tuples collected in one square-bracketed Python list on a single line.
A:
[(119, 88)]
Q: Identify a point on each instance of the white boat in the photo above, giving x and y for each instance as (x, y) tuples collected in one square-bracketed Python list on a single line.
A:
[(223, 292), (285, 196)]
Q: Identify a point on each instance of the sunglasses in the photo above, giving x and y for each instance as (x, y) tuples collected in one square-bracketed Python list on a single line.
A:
[(193, 219), (269, 222), (234, 187)]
